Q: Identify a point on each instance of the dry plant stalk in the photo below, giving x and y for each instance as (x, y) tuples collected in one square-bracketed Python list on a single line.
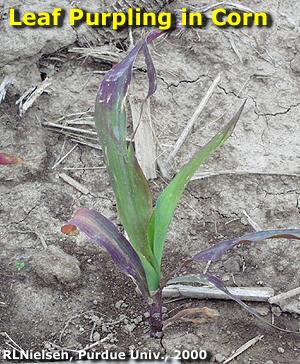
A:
[(143, 138), (30, 96), (187, 314)]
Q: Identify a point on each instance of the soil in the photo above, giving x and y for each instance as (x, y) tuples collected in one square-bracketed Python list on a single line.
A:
[(70, 295)]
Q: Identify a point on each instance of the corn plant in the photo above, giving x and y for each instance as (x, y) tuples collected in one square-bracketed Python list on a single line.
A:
[(146, 225)]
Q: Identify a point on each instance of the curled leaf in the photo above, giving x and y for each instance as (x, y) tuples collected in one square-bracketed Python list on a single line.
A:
[(104, 233), (7, 159), (216, 251)]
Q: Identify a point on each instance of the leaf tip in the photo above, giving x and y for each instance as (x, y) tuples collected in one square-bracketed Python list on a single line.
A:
[(70, 230), (9, 159)]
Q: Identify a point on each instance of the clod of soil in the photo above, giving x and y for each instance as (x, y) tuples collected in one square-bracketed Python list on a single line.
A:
[(54, 266)]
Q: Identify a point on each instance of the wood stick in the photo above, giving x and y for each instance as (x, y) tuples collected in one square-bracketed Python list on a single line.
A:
[(186, 131), (243, 348), (64, 157), (251, 222), (82, 168), (255, 294), (73, 132), (73, 135), (72, 182), (78, 114), (203, 175), (102, 53), (31, 95), (283, 296), (7, 81), (69, 128), (42, 239), (228, 5), (91, 145), (234, 47), (80, 122)]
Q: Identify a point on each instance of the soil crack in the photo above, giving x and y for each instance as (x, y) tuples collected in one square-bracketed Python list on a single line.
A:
[(286, 111), (185, 81), (279, 193)]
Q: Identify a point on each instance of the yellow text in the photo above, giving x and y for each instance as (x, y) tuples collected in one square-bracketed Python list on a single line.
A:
[(223, 17), (31, 19)]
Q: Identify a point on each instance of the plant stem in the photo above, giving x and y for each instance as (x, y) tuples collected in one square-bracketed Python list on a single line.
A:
[(156, 322)]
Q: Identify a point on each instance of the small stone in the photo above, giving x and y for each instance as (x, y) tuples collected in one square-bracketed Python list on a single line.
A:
[(146, 315), (95, 319), (276, 311), (138, 319), (263, 311), (280, 350), (233, 264), (269, 362), (48, 346), (113, 340), (122, 317), (119, 304), (295, 63), (96, 336), (104, 328), (130, 327), (219, 358), (95, 302), (226, 277), (164, 309)]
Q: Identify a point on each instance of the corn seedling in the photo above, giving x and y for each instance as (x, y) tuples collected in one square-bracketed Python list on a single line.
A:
[(139, 256)]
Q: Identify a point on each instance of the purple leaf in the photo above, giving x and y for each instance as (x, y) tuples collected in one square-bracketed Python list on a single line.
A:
[(207, 279), (220, 285), (104, 233), (6, 159), (117, 81), (216, 251)]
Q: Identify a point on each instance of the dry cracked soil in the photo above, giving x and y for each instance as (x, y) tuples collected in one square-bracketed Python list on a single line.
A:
[(64, 292)]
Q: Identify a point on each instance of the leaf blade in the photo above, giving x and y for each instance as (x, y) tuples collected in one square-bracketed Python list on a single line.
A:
[(104, 233), (134, 199), (215, 252), (169, 198)]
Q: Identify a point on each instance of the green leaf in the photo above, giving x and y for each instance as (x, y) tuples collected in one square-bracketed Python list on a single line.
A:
[(133, 195), (134, 199), (169, 198)]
